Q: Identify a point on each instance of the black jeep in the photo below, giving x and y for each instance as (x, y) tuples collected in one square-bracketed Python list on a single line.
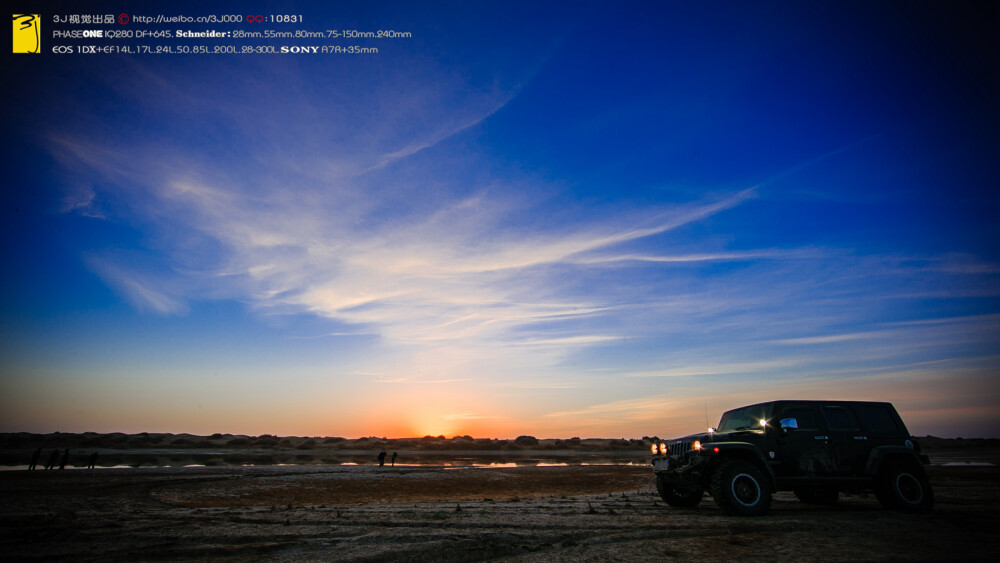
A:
[(817, 449)]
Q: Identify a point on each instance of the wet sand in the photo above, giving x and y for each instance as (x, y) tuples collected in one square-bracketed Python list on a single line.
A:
[(361, 513)]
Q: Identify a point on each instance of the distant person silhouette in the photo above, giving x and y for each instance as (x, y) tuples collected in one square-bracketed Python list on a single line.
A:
[(92, 460), (394, 454), (65, 459), (381, 458), (53, 458), (34, 459)]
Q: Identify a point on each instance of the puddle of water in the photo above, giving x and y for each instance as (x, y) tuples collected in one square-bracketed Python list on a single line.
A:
[(610, 463), (427, 464), (967, 464)]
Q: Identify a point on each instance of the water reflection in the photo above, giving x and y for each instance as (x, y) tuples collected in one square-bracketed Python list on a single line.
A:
[(194, 460)]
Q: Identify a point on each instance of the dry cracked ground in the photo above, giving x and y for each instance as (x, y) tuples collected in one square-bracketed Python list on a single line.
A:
[(364, 513)]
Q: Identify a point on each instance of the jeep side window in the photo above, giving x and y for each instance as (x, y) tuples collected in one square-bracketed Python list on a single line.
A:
[(806, 417), (878, 419), (839, 418)]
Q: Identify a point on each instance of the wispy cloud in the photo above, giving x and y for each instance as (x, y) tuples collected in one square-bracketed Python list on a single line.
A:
[(719, 369), (144, 292), (411, 380), (457, 283), (454, 276), (643, 408), (466, 416), (828, 339)]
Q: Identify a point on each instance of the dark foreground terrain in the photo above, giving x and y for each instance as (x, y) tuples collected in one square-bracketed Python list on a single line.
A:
[(362, 513)]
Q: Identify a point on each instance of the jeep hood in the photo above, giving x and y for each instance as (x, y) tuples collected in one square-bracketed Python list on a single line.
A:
[(725, 436)]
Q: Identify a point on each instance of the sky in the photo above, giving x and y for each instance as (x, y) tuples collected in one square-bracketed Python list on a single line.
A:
[(593, 219)]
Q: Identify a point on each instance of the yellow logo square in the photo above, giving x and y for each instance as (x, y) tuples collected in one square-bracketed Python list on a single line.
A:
[(27, 33)]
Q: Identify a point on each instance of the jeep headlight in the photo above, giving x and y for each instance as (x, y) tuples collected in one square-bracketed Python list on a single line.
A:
[(654, 449), (663, 448), (696, 445)]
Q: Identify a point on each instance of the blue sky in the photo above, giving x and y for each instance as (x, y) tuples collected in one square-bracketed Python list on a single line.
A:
[(558, 219)]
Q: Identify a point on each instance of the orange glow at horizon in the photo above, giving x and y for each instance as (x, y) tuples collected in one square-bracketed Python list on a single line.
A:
[(420, 410)]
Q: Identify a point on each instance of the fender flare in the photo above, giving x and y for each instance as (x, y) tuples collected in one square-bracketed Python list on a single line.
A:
[(879, 454), (742, 450)]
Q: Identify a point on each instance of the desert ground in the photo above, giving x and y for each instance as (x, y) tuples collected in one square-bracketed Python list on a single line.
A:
[(430, 512)]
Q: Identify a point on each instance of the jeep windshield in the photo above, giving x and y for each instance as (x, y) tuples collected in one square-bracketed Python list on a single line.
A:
[(746, 418)]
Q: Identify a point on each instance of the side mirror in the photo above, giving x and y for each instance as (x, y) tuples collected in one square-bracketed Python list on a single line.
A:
[(789, 424)]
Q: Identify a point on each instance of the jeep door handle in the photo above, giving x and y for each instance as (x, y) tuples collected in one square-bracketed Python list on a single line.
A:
[(861, 437), (821, 437)]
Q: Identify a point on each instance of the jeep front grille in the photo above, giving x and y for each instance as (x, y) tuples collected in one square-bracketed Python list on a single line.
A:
[(678, 449)]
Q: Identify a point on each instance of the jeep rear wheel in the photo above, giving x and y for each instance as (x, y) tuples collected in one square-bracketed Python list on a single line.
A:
[(676, 496), (904, 486), (741, 488)]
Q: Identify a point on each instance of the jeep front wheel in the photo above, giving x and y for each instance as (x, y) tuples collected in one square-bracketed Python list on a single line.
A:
[(741, 488), (904, 486), (678, 497)]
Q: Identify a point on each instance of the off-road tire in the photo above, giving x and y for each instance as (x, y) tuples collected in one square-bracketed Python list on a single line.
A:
[(741, 488), (678, 498), (904, 486), (825, 497)]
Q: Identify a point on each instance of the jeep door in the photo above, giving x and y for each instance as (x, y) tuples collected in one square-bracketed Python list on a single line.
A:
[(848, 444), (881, 424), (803, 451)]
